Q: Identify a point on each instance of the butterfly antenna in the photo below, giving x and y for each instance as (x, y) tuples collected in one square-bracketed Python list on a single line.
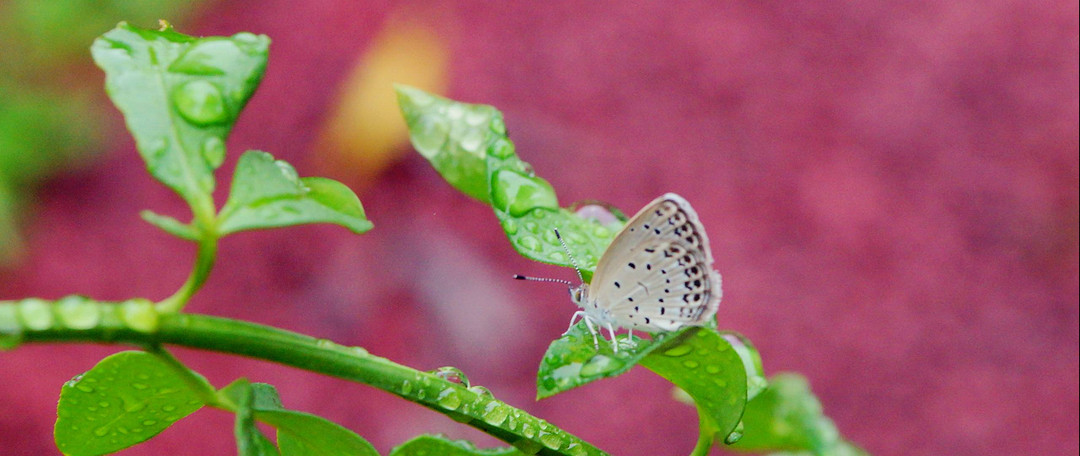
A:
[(544, 279), (569, 255)]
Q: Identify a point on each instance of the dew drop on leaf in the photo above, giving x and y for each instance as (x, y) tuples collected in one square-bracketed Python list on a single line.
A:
[(200, 102)]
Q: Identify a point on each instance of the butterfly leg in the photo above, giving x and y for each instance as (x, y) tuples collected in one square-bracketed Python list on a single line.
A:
[(614, 342), (592, 330), (574, 318)]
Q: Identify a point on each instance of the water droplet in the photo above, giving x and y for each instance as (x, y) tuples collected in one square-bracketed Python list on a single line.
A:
[(471, 141), (529, 243), (10, 331), (101, 431), (207, 57), (601, 232), (477, 115), (139, 315), (735, 435), (35, 314), (449, 399), (532, 227), (452, 374), (77, 312), (168, 408), (573, 237), (600, 364), (200, 102), (149, 422), (691, 364), (480, 391), (528, 430), (495, 413), (552, 441), (510, 226), (213, 151), (679, 350), (84, 388), (518, 194), (406, 387), (359, 351), (501, 148), (712, 369), (576, 450), (557, 257), (429, 134), (454, 111), (498, 126), (550, 237)]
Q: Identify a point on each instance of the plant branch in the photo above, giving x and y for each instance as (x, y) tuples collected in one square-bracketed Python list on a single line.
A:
[(473, 407)]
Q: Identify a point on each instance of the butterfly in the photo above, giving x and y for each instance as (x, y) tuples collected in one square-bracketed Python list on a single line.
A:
[(656, 275)]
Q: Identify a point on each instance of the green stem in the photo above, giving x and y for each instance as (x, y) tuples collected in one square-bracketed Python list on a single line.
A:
[(475, 408), (204, 263)]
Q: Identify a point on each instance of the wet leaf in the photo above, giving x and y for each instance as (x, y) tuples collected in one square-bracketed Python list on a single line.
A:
[(125, 399), (429, 445), (180, 96), (268, 193)]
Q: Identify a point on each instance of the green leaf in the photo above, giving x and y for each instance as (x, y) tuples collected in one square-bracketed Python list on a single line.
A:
[(453, 137), (299, 433), (180, 96), (125, 399), (429, 445), (699, 360), (467, 144), (171, 225), (268, 193), (788, 417), (249, 440)]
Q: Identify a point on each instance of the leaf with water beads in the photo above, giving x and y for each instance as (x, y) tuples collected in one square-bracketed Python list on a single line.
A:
[(429, 445), (180, 96), (699, 360), (125, 399), (468, 145), (267, 193), (298, 433)]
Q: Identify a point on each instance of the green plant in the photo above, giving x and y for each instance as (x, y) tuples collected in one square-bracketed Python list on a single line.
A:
[(180, 96)]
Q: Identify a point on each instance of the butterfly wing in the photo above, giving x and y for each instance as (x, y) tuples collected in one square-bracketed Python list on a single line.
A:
[(657, 273)]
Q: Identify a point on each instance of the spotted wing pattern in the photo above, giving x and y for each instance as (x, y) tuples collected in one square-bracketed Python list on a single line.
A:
[(657, 273)]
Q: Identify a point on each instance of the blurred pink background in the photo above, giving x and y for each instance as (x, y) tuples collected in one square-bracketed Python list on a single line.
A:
[(891, 192)]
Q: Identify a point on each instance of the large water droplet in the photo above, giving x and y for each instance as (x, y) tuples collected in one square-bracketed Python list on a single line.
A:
[(200, 102), (449, 399), (77, 312), (213, 151), (452, 374), (735, 435), (35, 314), (679, 350), (600, 364), (140, 315), (480, 391), (495, 413), (510, 226), (518, 194), (208, 57)]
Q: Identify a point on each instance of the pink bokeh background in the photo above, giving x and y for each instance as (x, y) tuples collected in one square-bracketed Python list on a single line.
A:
[(890, 190)]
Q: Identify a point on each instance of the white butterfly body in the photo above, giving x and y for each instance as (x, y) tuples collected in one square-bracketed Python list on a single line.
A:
[(655, 276)]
